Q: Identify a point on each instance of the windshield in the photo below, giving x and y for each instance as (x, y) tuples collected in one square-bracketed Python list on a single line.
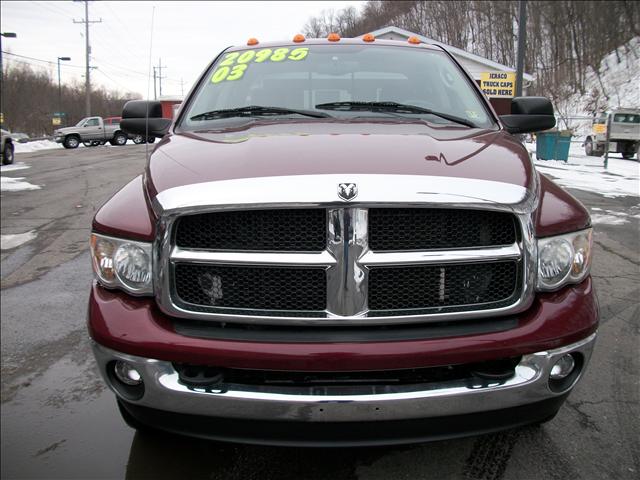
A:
[(313, 79)]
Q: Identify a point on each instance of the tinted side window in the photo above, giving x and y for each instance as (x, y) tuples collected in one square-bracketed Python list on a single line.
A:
[(626, 118)]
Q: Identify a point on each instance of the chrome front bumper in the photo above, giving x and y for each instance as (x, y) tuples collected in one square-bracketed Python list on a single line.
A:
[(530, 384)]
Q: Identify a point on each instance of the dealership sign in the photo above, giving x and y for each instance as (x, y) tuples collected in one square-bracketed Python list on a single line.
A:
[(498, 84)]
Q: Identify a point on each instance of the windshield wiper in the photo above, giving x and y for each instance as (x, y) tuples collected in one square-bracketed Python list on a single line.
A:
[(392, 107), (256, 110)]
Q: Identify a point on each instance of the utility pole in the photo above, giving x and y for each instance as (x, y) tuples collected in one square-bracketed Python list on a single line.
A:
[(158, 76), (155, 93), (606, 141), (87, 78), (522, 41)]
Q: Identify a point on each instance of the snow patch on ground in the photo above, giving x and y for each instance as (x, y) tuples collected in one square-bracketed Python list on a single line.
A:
[(36, 146), (14, 167), (621, 178), (8, 242), (8, 184), (610, 217)]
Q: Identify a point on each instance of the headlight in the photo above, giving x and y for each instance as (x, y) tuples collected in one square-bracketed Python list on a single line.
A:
[(123, 264), (564, 259)]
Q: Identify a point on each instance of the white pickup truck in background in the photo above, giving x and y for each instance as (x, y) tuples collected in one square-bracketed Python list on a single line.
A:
[(91, 131), (624, 137)]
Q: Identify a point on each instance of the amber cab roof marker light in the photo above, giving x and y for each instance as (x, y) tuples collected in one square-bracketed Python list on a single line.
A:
[(252, 41), (299, 38), (368, 38), (333, 37), (414, 40)]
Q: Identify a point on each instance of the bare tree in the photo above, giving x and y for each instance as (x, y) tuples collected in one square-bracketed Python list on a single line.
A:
[(564, 37)]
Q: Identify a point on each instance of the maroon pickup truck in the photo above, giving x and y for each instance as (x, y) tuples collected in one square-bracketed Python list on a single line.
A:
[(338, 242)]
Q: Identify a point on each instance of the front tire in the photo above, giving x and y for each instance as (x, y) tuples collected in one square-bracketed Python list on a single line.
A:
[(8, 154), (71, 142), (138, 139), (119, 139)]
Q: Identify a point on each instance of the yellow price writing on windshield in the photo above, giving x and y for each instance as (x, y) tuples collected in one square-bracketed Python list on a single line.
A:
[(234, 64)]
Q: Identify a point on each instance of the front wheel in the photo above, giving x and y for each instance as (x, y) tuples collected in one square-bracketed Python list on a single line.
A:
[(138, 139), (151, 139), (7, 154), (71, 142)]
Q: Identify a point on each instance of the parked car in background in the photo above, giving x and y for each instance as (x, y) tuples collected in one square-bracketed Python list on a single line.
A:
[(624, 137), (92, 131), (20, 137), (6, 148)]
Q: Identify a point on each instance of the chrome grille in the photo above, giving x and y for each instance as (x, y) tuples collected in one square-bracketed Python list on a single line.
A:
[(442, 287), (252, 288), (467, 263), (430, 228), (296, 230)]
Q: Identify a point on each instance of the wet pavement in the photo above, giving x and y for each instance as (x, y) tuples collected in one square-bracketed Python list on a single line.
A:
[(60, 421)]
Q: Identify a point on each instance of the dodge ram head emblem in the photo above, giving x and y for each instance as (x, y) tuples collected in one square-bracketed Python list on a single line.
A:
[(347, 191)]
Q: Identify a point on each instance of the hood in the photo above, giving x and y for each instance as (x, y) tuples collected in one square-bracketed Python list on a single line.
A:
[(65, 130), (277, 149)]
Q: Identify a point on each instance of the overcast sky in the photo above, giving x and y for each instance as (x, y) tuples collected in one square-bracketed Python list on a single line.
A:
[(186, 35)]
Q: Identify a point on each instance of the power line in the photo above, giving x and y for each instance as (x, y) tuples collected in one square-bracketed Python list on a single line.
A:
[(41, 60), (126, 89), (118, 67), (53, 9)]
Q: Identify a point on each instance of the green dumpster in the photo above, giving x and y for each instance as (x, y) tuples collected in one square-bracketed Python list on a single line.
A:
[(553, 145)]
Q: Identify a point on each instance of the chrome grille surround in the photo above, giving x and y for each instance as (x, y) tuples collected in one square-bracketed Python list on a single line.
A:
[(347, 256)]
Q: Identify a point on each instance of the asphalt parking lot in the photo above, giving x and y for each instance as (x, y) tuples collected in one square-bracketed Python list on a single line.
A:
[(60, 421)]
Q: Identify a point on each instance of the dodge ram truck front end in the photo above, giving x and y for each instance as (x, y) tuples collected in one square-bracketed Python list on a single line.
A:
[(384, 269)]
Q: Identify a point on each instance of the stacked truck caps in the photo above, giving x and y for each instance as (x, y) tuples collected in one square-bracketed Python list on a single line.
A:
[(338, 242)]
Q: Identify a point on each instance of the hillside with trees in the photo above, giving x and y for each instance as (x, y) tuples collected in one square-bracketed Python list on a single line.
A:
[(30, 97), (565, 39)]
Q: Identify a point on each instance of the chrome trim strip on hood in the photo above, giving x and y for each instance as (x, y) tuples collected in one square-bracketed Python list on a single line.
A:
[(321, 190)]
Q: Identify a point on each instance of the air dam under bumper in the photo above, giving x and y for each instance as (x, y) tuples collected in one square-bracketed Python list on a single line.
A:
[(481, 405)]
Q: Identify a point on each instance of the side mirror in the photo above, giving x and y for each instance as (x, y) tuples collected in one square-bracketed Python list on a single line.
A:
[(529, 114), (144, 118)]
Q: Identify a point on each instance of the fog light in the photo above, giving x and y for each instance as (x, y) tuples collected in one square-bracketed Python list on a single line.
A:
[(127, 374), (562, 367)]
